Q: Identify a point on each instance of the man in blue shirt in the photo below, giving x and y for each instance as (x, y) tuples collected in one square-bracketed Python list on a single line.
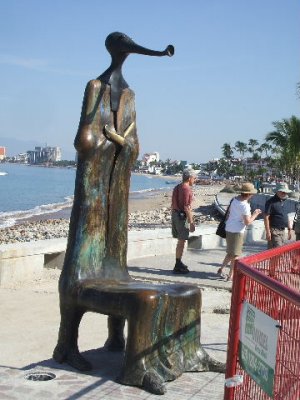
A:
[(276, 217)]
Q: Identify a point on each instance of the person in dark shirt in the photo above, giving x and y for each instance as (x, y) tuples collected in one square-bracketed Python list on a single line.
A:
[(182, 217), (276, 217)]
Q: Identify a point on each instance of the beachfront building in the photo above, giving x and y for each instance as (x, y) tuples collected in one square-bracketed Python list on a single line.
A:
[(150, 158), (21, 158), (150, 164), (153, 169), (42, 155), (2, 153)]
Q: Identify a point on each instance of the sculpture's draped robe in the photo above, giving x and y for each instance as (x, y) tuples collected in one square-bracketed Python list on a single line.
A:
[(98, 227)]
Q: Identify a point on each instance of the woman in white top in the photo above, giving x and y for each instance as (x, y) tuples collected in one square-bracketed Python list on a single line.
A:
[(238, 217)]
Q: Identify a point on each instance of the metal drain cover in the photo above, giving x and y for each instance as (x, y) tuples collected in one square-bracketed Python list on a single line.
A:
[(40, 376)]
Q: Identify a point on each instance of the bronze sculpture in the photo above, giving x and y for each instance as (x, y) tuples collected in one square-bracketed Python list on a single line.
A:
[(163, 320)]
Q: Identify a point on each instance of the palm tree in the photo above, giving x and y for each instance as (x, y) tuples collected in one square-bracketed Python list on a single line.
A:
[(252, 143), (227, 151), (265, 147), (211, 166), (224, 166), (286, 139), (241, 147)]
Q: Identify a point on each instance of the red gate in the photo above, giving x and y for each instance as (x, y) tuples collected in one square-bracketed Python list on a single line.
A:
[(270, 281)]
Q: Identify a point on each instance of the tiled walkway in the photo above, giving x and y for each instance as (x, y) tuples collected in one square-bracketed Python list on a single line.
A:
[(33, 333)]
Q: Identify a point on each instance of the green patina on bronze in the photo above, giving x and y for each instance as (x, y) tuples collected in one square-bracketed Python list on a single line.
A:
[(163, 337)]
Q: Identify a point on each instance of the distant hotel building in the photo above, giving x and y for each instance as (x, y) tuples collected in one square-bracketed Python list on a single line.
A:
[(148, 163), (2, 152), (44, 154), (150, 157)]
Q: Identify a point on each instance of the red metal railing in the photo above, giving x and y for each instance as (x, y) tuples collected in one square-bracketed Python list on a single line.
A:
[(270, 281)]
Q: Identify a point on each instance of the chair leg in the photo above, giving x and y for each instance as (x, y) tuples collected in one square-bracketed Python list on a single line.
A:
[(116, 340), (141, 361), (66, 349), (164, 339), (184, 316)]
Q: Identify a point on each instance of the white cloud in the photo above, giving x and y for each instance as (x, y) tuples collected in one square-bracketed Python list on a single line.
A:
[(37, 64), (30, 63)]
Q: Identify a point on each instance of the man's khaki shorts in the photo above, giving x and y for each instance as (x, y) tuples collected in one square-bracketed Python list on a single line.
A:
[(179, 231)]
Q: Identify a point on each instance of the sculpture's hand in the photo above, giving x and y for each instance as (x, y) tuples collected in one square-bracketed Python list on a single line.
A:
[(129, 129), (113, 136)]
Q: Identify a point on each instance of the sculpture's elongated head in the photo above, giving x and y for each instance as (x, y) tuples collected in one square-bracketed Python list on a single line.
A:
[(120, 45)]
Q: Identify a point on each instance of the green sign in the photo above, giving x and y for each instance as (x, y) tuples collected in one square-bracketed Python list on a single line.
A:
[(258, 344)]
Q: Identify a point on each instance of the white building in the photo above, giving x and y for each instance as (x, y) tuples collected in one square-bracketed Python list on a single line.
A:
[(21, 158), (150, 157)]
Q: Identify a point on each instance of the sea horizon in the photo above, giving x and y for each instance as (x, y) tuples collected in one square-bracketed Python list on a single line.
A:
[(36, 192)]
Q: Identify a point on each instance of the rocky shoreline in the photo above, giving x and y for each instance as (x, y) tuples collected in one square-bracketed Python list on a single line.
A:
[(148, 213)]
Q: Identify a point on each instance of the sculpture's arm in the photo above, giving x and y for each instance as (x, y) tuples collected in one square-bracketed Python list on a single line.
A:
[(113, 136), (88, 138)]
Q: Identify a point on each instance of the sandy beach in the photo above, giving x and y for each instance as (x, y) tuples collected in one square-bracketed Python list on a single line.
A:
[(146, 211)]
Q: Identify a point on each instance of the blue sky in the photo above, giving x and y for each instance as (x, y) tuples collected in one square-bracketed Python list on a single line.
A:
[(235, 69)]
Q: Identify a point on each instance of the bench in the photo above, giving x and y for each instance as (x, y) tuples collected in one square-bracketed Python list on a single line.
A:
[(23, 262)]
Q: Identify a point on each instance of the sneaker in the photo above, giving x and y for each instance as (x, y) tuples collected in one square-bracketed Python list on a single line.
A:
[(180, 265), (183, 265), (178, 269), (221, 274)]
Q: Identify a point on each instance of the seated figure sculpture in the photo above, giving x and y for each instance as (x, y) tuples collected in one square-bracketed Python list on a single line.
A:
[(163, 338)]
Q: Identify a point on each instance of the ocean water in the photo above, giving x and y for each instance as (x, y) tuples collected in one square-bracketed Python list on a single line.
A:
[(27, 191)]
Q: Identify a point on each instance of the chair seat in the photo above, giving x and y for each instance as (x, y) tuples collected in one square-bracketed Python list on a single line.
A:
[(121, 298)]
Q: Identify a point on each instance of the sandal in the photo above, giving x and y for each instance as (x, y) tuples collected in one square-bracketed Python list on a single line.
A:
[(221, 274)]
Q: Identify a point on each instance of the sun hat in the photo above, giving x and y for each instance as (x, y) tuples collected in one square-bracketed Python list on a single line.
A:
[(188, 173), (282, 187), (247, 188)]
